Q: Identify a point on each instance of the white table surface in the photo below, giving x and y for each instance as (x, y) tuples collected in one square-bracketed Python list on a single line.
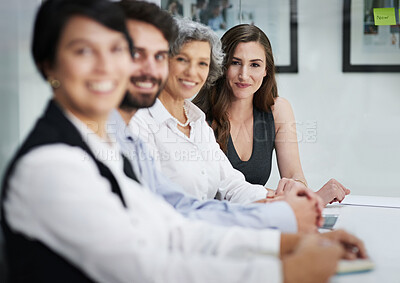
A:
[(379, 227)]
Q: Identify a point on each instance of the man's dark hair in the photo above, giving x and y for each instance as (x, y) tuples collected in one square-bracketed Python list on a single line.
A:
[(53, 16), (151, 14)]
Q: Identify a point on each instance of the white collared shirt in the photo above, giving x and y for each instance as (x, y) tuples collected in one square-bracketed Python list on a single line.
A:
[(277, 214), (196, 163), (57, 196)]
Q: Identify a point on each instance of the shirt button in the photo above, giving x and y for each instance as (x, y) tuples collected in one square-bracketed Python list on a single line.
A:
[(204, 197), (203, 171)]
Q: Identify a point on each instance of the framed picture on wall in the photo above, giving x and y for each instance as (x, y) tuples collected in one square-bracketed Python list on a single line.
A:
[(367, 47), (278, 19)]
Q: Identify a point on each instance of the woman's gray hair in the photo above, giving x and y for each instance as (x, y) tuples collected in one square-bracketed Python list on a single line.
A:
[(189, 30)]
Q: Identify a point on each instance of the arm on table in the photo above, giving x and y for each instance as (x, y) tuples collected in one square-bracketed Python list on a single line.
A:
[(287, 153), (301, 254)]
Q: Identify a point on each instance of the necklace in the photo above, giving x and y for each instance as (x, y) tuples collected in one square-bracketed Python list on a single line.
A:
[(183, 125)]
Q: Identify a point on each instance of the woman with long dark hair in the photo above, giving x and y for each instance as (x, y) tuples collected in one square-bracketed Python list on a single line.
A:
[(248, 117)]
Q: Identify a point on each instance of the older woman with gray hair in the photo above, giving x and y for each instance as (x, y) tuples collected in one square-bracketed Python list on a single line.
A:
[(193, 31), (180, 140)]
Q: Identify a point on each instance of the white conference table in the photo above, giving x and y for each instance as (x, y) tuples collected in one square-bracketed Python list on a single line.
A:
[(375, 220)]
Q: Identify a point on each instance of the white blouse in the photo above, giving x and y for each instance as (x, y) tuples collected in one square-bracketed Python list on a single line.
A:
[(58, 197), (196, 163)]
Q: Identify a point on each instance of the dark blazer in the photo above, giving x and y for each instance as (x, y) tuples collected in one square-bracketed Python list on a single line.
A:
[(31, 260)]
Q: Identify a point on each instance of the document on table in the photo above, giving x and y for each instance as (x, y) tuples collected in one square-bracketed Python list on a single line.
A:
[(354, 266), (375, 201)]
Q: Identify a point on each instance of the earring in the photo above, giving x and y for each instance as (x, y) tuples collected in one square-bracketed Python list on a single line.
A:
[(54, 83)]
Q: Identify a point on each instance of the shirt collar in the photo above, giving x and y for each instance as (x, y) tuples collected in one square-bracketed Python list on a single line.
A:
[(117, 127), (161, 114)]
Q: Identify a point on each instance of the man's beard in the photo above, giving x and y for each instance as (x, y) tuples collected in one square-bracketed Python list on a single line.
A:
[(132, 101)]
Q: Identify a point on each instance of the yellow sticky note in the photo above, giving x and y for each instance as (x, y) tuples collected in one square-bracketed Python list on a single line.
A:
[(384, 16)]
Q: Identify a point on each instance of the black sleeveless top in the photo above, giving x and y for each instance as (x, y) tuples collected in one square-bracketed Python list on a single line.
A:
[(258, 168), (31, 260)]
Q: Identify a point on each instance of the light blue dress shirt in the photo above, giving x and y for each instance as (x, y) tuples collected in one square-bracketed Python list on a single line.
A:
[(278, 215)]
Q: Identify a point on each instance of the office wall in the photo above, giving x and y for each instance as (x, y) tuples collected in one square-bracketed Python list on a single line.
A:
[(22, 92), (354, 118), (9, 102), (347, 123)]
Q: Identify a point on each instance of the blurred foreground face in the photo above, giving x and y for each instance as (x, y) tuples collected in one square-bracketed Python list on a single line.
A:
[(93, 65), (247, 69), (188, 71), (151, 64)]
